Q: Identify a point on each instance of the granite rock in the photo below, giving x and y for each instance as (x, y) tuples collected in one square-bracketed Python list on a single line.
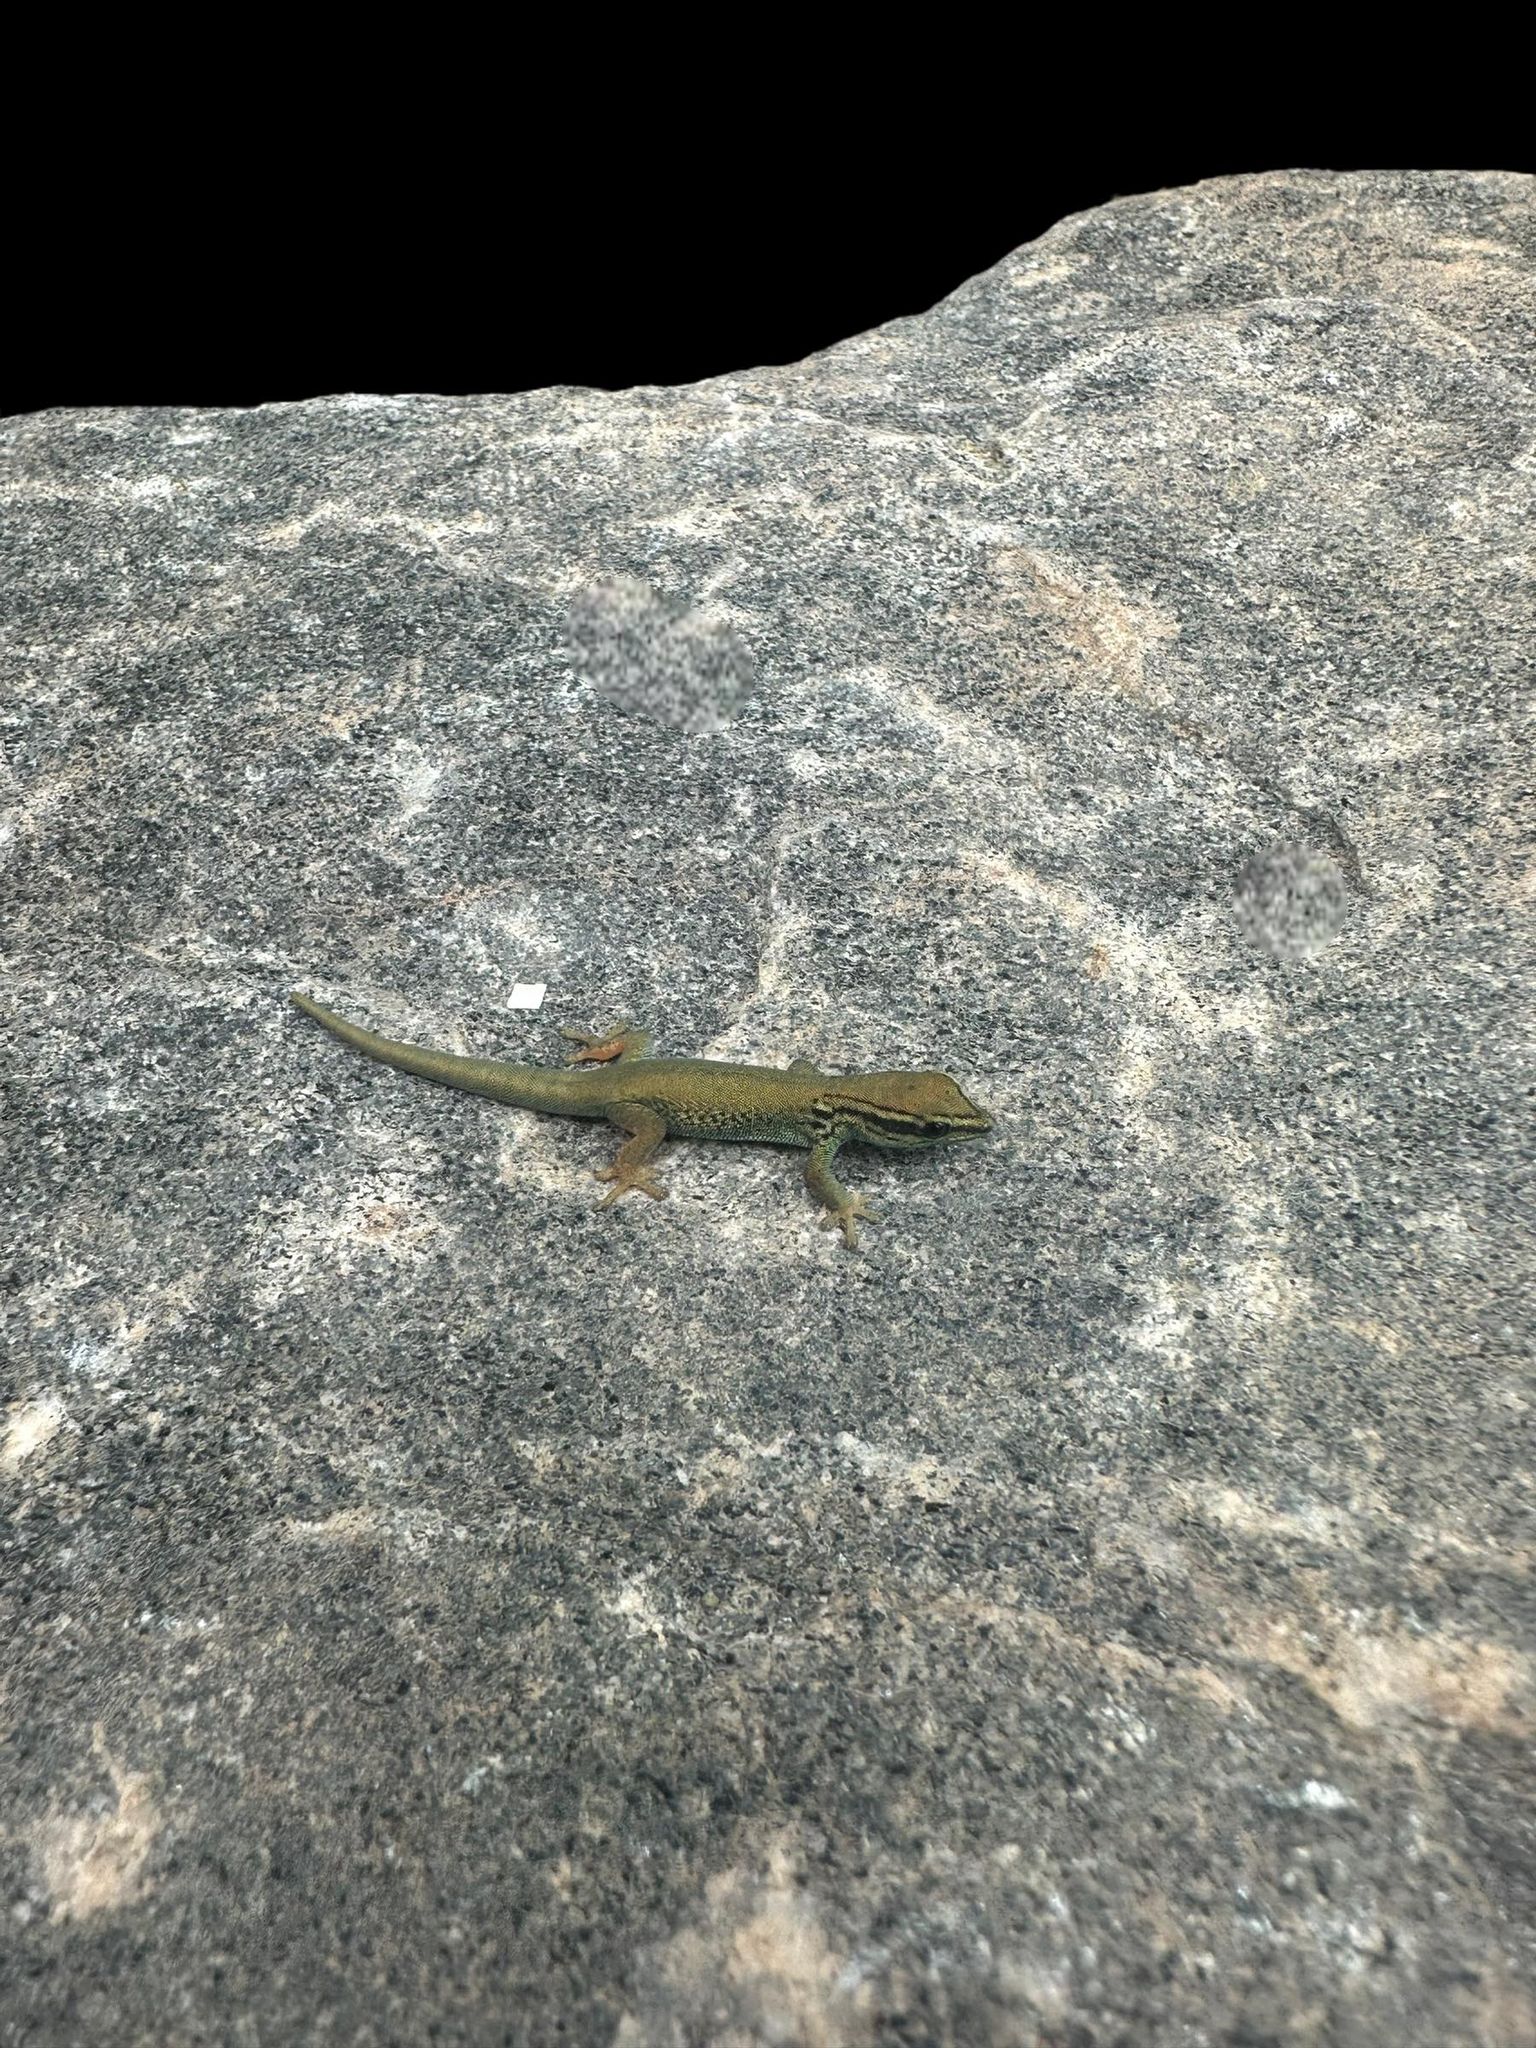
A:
[(1098, 1611)]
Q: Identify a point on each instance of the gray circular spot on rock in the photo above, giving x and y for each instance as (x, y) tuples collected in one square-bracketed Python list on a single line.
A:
[(655, 655), (1291, 900)]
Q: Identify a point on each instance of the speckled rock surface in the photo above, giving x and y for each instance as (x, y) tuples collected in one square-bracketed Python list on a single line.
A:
[(1098, 1611)]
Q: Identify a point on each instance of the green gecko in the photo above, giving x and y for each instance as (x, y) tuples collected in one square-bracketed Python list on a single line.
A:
[(653, 1099)]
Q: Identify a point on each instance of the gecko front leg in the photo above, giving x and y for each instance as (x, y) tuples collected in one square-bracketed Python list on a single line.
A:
[(646, 1131), (842, 1207)]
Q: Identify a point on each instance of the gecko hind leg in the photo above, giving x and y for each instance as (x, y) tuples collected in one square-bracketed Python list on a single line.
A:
[(618, 1042), (646, 1131)]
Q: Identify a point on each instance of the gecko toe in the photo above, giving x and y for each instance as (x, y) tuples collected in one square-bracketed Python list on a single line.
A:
[(639, 1181), (844, 1218)]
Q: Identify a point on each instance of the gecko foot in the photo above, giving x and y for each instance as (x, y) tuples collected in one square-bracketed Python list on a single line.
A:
[(618, 1042), (842, 1218), (624, 1178)]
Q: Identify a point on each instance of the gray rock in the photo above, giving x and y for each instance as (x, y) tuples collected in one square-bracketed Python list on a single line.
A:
[(1099, 1610)]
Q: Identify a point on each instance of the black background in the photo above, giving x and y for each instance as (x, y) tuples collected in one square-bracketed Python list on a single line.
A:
[(207, 240)]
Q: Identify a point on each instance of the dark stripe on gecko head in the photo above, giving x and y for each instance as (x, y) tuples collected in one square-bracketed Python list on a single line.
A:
[(903, 1126)]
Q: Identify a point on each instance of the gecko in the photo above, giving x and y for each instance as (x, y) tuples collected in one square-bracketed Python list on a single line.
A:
[(654, 1099)]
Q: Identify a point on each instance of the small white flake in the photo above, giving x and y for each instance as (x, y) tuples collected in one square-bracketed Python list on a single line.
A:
[(1327, 1797), (527, 995)]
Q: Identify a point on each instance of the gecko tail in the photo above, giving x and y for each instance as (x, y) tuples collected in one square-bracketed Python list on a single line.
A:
[(542, 1088), (392, 1050)]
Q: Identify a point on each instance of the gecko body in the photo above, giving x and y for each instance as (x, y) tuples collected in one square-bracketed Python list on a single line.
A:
[(611, 1075)]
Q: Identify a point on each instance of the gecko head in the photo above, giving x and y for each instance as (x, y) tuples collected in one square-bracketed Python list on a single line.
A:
[(904, 1110)]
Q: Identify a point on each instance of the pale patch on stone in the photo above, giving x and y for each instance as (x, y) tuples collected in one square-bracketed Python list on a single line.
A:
[(538, 1169), (756, 1968), (1041, 1988), (724, 1471), (29, 1427), (920, 1478), (1375, 1681), (1263, 1290), (381, 1214), (1110, 632), (1145, 967), (347, 1525), (1162, 1328), (1136, 1073), (107, 1357), (1326, 1798), (1307, 1521), (417, 778), (1453, 1236), (907, 699), (439, 534), (1372, 1331), (1013, 1623), (632, 1604), (94, 1862)]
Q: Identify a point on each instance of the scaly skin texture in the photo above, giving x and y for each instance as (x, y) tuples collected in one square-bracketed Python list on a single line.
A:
[(651, 1099)]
